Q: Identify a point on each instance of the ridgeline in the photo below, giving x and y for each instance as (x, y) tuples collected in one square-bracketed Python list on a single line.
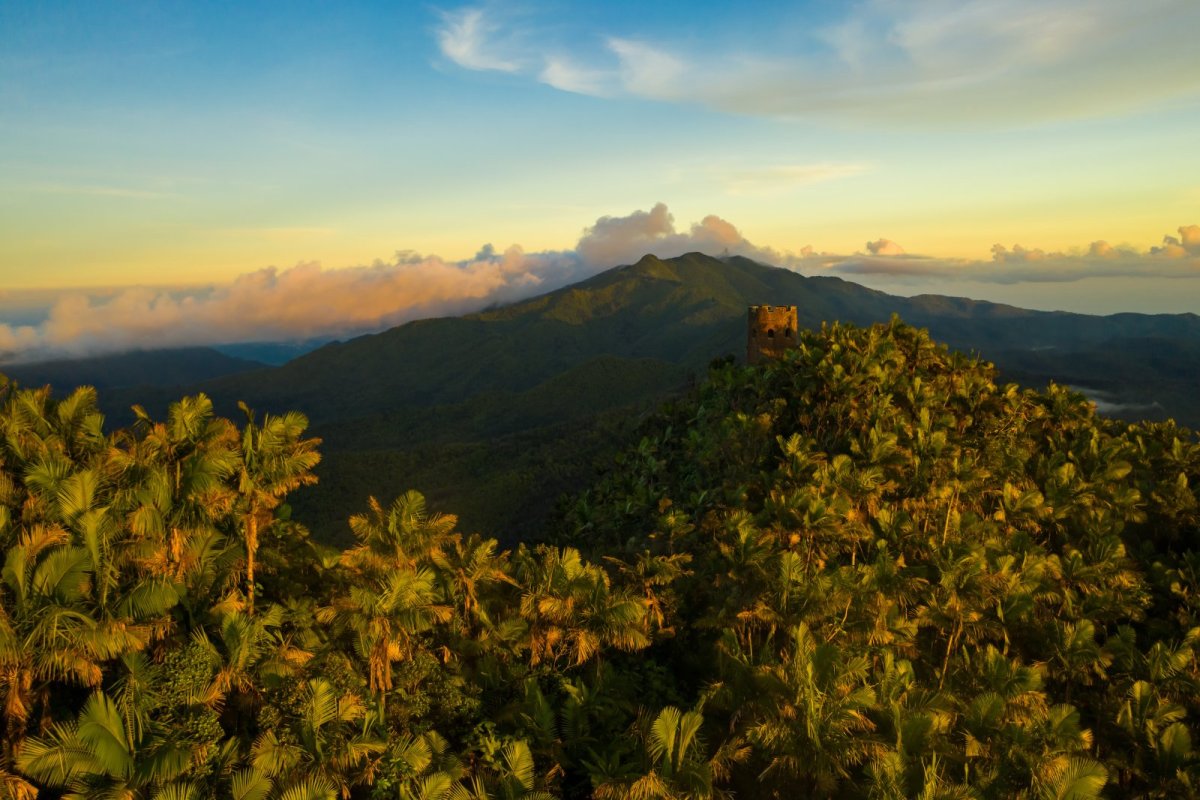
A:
[(500, 413)]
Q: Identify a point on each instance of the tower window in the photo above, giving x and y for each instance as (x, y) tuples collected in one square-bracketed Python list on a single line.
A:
[(770, 333)]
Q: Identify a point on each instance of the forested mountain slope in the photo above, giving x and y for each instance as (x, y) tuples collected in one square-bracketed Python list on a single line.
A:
[(866, 570), (137, 370), (685, 310), (496, 413)]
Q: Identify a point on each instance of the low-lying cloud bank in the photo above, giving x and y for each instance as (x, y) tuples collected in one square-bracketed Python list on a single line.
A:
[(308, 301), (1177, 257)]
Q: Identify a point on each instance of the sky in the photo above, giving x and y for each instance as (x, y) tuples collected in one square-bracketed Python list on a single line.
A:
[(198, 172)]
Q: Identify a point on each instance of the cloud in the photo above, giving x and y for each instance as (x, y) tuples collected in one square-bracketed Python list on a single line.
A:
[(1188, 243), (464, 38), (647, 71), (1021, 264), (273, 304), (1102, 249), (916, 62), (567, 76), (1190, 238), (623, 240), (1109, 403), (884, 247), (309, 301)]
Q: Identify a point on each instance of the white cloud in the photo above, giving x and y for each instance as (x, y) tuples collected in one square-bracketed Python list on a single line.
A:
[(647, 71), (916, 62), (623, 240), (465, 38), (565, 75)]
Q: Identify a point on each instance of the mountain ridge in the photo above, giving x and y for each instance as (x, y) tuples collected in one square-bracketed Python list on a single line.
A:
[(556, 367), (653, 308), (141, 368)]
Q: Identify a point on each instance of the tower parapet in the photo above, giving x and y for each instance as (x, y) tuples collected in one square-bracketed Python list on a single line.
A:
[(770, 331)]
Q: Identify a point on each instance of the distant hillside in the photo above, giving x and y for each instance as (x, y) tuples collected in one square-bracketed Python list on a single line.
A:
[(272, 353), (683, 311), (495, 413), (183, 366)]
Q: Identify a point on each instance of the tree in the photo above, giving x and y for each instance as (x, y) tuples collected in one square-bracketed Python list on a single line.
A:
[(99, 755), (274, 461)]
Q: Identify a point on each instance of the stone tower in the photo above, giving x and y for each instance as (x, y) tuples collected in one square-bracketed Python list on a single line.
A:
[(770, 331)]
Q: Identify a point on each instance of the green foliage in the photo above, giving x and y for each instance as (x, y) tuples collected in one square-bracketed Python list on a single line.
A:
[(496, 414), (864, 570), (908, 576)]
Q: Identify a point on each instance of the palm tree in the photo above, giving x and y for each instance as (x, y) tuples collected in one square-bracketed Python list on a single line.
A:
[(649, 574), (469, 570), (571, 610), (34, 425), (385, 615), (274, 461), (14, 787), (510, 775), (178, 493), (428, 770), (676, 766), (97, 754), (251, 654), (46, 632), (403, 534), (811, 718), (1069, 778), (322, 752)]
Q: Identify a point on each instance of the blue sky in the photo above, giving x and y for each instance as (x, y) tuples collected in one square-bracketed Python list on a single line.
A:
[(166, 144)]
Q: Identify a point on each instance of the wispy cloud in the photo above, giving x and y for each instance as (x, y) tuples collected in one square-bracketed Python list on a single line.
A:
[(648, 71), (907, 61), (465, 37), (564, 74)]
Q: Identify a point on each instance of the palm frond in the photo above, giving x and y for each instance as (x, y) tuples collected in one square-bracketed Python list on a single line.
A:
[(251, 784), (312, 788)]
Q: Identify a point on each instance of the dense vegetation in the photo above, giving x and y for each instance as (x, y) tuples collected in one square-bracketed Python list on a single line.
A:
[(471, 409), (866, 570)]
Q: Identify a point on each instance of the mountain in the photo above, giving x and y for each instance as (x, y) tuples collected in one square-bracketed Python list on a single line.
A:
[(682, 311), (494, 414), (272, 353), (184, 366)]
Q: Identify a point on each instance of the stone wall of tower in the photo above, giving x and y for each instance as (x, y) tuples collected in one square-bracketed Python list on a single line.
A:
[(770, 331)]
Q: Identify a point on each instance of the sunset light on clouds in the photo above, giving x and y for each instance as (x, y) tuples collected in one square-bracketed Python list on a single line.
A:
[(231, 173)]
